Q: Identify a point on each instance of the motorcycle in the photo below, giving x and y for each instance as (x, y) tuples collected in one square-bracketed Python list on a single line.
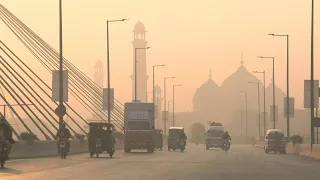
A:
[(63, 148), (226, 146), (98, 147), (3, 154)]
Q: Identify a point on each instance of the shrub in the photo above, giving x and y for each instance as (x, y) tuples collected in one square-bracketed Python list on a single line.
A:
[(30, 138), (296, 139)]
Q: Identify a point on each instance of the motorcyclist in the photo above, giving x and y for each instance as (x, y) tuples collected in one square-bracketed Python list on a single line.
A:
[(226, 137), (6, 135), (63, 133)]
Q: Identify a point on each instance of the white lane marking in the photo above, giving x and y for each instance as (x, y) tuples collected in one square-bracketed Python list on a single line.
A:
[(69, 167)]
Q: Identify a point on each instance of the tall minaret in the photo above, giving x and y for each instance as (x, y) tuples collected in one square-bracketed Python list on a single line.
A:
[(142, 77)]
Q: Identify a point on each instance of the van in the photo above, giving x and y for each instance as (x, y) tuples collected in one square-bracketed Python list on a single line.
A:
[(275, 141), (214, 137)]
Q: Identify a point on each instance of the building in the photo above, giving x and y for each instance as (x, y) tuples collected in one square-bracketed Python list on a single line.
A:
[(226, 104), (139, 44)]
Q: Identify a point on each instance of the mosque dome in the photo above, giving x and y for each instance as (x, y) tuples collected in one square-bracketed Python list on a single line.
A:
[(139, 27), (205, 96)]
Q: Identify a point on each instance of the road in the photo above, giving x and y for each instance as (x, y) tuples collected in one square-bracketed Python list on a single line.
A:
[(241, 163)]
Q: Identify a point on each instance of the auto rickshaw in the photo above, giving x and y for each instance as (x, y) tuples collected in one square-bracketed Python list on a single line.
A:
[(158, 139), (101, 138), (174, 141)]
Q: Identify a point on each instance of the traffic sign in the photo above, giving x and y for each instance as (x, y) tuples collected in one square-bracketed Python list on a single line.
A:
[(60, 110), (291, 107), (316, 122), (307, 93)]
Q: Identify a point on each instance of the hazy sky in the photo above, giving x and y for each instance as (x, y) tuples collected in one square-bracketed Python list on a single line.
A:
[(189, 36)]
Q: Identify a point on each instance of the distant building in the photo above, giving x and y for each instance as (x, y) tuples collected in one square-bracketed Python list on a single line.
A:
[(139, 41), (223, 104)]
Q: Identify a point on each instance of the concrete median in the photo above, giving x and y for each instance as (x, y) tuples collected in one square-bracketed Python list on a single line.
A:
[(299, 149), (23, 150)]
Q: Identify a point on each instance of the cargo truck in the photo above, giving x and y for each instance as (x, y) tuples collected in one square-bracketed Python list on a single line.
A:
[(138, 126)]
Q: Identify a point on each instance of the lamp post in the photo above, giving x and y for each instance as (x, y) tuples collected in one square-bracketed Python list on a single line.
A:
[(135, 71), (273, 89), (173, 102), (246, 104), (312, 76), (241, 120), (169, 109), (264, 99), (108, 68), (165, 102), (288, 113), (153, 93), (258, 106), (61, 106)]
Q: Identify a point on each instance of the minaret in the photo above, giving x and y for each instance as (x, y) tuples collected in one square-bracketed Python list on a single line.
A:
[(142, 77), (99, 73)]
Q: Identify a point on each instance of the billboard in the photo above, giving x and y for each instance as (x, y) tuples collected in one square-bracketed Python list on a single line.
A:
[(291, 107), (307, 93), (56, 85), (105, 99)]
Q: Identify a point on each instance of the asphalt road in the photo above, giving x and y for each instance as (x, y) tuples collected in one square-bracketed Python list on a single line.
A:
[(241, 163)]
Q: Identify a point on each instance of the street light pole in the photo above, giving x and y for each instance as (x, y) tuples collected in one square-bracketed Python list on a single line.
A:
[(168, 110), (273, 89), (173, 103), (259, 126), (61, 66), (153, 93), (241, 120), (135, 72), (108, 69), (312, 75), (288, 112), (264, 100), (246, 104), (165, 102)]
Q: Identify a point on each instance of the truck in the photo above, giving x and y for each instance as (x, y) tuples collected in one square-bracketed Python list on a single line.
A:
[(214, 136), (138, 126)]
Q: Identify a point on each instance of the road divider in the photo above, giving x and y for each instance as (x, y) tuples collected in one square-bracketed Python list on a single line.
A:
[(23, 150), (299, 149)]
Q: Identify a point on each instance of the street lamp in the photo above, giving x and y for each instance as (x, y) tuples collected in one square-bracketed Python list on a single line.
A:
[(153, 93), (61, 106), (273, 89), (312, 76), (258, 106), (241, 120), (108, 68), (264, 99), (288, 113), (173, 102), (135, 72), (168, 109), (165, 102), (246, 104)]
